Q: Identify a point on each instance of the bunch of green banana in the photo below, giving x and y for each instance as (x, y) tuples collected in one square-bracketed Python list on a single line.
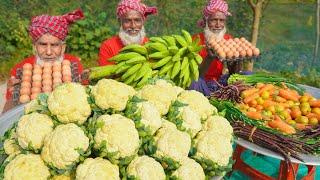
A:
[(176, 57)]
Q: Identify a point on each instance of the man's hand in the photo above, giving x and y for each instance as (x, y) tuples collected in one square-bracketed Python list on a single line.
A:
[(209, 51), (11, 82)]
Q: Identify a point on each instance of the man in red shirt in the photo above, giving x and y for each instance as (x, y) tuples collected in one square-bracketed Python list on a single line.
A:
[(48, 35), (131, 15), (214, 19)]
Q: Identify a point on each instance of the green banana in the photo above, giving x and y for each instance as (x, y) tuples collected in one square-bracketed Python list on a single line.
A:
[(184, 63), (159, 55), (101, 72), (162, 62), (129, 80), (198, 58), (158, 39), (166, 68), (187, 36), (136, 60), (173, 50), (122, 69), (193, 65), (170, 40), (180, 53), (176, 69), (145, 78), (186, 76), (131, 71), (135, 48), (181, 40), (194, 69), (144, 69), (158, 46), (124, 56)]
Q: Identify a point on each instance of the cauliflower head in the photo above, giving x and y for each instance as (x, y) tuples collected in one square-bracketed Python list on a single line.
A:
[(69, 103), (211, 145), (109, 93), (26, 167), (172, 143), (31, 106), (220, 125), (198, 103), (32, 130), (145, 168), (10, 145), (189, 169), (191, 120), (97, 168), (119, 134), (150, 116), (161, 95), (62, 144)]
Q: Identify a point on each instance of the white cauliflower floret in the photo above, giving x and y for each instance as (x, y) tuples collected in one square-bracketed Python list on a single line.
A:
[(26, 167), (161, 95), (109, 93), (168, 124), (211, 145), (119, 134), (198, 103), (172, 143), (31, 106), (11, 147), (32, 129), (97, 168), (220, 125), (145, 168), (69, 103), (191, 120), (164, 83), (189, 169), (150, 116), (62, 144)]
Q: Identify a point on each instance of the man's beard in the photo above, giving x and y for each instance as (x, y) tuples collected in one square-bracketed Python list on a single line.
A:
[(208, 34), (128, 39), (40, 61)]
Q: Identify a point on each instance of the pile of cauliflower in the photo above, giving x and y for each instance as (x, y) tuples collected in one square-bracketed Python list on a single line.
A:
[(112, 131)]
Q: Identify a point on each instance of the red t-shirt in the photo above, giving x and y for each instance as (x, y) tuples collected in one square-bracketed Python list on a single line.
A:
[(32, 60), (110, 48), (216, 66)]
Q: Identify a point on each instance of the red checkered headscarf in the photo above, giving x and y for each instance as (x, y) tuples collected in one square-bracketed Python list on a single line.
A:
[(54, 25), (126, 5), (212, 7)]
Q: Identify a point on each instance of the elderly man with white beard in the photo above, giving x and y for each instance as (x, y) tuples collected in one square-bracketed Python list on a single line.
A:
[(131, 15), (214, 20), (48, 34)]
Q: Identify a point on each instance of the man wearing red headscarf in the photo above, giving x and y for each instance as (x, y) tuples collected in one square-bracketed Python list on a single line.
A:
[(131, 15), (213, 22), (48, 35)]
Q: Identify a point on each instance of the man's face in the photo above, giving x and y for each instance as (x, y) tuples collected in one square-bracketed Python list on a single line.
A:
[(216, 21), (132, 22), (49, 48)]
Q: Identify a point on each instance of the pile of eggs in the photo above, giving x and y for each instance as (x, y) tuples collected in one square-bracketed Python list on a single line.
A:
[(43, 78), (234, 48)]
